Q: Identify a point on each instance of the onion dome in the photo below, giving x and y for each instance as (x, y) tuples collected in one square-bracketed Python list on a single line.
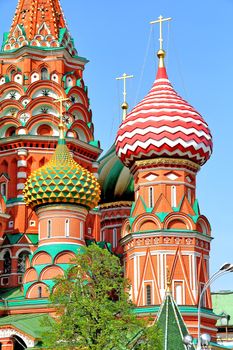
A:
[(115, 179), (62, 180), (163, 124)]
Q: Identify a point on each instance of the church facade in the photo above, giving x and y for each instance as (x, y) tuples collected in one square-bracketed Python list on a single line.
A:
[(50, 202)]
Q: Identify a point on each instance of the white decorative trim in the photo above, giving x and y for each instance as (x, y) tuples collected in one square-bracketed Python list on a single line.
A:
[(9, 332), (21, 175), (22, 163), (20, 186)]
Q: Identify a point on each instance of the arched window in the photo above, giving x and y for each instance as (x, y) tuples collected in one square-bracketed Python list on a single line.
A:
[(44, 74), (22, 262), (148, 295), (173, 196), (151, 197), (49, 229), (67, 227), (7, 263), (39, 292)]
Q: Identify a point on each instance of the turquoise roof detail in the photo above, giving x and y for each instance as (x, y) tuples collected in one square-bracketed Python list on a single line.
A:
[(33, 238), (55, 249), (14, 238)]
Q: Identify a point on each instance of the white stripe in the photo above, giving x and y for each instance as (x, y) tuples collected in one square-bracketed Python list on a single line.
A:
[(164, 104), (171, 130), (161, 118), (144, 145), (164, 110)]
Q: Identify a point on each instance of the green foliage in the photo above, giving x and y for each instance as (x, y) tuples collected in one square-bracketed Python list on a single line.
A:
[(93, 308)]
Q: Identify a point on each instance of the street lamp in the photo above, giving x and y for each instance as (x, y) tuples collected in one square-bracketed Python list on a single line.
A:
[(225, 268), (204, 340)]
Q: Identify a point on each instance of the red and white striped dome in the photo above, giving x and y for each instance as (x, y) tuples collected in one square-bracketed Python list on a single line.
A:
[(163, 125)]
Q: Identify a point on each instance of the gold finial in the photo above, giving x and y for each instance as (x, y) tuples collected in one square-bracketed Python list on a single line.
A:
[(61, 125), (124, 105), (169, 281), (161, 53)]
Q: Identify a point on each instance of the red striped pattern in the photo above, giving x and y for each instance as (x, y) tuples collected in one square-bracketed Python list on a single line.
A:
[(163, 125)]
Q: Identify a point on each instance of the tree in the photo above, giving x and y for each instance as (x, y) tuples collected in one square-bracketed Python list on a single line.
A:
[(94, 310)]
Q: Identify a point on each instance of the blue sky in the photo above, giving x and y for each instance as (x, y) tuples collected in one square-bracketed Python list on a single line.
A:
[(114, 36)]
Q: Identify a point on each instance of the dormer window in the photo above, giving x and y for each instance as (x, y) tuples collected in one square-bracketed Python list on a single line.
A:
[(3, 189)]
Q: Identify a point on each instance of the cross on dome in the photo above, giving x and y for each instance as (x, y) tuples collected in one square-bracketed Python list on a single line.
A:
[(160, 20), (124, 105)]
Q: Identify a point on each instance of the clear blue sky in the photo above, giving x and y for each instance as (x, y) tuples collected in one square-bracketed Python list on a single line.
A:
[(114, 37)]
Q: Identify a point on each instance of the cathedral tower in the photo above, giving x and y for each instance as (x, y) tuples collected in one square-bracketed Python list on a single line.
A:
[(164, 141)]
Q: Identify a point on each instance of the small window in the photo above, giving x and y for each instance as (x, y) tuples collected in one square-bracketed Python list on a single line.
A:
[(67, 228), (178, 294), (22, 262), (173, 196), (114, 238), (151, 197), (148, 295), (44, 74), (3, 189), (81, 229), (4, 281), (190, 195), (11, 224), (7, 263), (39, 292), (32, 223), (49, 228)]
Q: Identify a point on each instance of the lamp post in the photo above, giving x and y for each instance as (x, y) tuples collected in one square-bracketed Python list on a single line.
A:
[(227, 267), (204, 339)]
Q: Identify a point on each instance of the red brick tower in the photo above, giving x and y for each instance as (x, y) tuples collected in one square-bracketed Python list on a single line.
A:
[(38, 65)]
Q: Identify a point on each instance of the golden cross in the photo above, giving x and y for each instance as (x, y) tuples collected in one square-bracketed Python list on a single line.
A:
[(160, 21), (61, 100), (124, 77)]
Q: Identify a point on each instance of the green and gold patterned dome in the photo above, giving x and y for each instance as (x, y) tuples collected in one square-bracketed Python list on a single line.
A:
[(62, 180)]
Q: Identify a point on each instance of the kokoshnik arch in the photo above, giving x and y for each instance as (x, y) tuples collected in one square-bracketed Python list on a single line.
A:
[(148, 210)]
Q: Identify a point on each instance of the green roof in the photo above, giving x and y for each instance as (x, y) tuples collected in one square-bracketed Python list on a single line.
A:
[(31, 324), (14, 238), (116, 181), (33, 238), (172, 325), (223, 304)]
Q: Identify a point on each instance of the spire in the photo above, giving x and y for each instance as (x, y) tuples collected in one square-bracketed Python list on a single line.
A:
[(172, 325), (38, 23)]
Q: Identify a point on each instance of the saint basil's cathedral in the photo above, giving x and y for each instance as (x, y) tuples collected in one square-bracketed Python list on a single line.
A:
[(57, 194)]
